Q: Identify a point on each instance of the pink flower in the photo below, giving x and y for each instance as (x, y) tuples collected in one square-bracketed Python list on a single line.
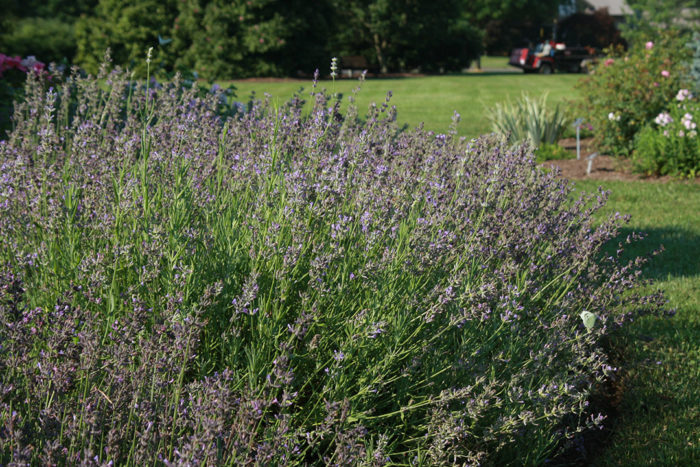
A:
[(262, 40), (649, 45), (609, 62), (656, 85), (665, 73)]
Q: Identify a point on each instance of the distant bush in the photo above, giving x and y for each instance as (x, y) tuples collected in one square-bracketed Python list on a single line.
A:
[(670, 144), (47, 39), (528, 119), (278, 287), (694, 62), (551, 152), (628, 89)]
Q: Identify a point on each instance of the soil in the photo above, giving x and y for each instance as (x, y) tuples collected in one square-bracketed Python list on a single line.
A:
[(603, 167)]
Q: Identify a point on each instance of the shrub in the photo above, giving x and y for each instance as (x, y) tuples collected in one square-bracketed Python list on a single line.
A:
[(694, 61), (627, 90), (13, 75), (551, 152), (669, 145), (528, 119), (281, 288), (48, 39)]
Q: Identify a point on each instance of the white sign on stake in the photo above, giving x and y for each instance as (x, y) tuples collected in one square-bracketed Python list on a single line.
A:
[(590, 162), (577, 123)]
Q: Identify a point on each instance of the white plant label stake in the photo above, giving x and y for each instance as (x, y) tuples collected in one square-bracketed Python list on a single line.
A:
[(590, 162), (577, 124)]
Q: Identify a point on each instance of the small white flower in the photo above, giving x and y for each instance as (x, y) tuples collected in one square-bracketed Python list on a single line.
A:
[(663, 119), (681, 133), (148, 55), (684, 94), (334, 67), (692, 134), (613, 118)]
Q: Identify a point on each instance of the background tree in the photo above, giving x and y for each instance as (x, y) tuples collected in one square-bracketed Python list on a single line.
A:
[(510, 22), (649, 17), (245, 38), (127, 27), (594, 30), (401, 35), (44, 29)]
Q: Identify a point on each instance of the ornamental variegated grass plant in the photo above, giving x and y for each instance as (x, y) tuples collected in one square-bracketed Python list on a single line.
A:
[(179, 286)]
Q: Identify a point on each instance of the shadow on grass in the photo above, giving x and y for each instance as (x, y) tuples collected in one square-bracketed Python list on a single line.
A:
[(680, 256)]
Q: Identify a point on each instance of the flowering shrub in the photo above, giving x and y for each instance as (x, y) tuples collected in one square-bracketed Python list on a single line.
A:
[(13, 74), (629, 89), (17, 63), (287, 288), (669, 145)]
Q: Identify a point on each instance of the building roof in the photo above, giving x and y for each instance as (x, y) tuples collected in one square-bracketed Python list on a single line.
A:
[(615, 7)]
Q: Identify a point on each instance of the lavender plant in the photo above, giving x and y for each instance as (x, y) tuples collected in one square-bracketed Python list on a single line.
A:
[(287, 288)]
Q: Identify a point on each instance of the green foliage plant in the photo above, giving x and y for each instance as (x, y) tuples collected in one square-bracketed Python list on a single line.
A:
[(126, 28), (628, 89), (648, 17), (694, 62), (551, 152), (670, 145), (48, 39), (528, 119), (278, 287), (395, 35)]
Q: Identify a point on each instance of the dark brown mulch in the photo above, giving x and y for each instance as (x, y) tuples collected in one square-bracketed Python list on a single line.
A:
[(603, 167)]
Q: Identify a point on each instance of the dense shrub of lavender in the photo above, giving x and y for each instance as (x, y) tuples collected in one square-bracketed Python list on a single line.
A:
[(280, 287)]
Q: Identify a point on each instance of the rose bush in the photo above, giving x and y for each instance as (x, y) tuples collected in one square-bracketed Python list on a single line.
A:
[(13, 74), (629, 89)]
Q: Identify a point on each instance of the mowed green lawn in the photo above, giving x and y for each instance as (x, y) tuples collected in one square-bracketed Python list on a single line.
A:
[(432, 99), (659, 414)]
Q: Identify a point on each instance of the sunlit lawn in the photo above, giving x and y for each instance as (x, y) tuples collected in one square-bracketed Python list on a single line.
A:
[(434, 99), (659, 422)]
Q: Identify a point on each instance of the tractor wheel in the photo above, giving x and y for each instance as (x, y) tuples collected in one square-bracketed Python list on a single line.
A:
[(546, 69)]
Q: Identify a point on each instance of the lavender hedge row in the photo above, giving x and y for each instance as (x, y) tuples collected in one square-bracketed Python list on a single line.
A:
[(178, 287)]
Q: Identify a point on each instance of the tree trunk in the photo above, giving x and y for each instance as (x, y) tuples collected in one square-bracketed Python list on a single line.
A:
[(378, 47)]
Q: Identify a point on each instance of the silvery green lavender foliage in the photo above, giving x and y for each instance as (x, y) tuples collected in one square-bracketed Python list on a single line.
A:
[(282, 287)]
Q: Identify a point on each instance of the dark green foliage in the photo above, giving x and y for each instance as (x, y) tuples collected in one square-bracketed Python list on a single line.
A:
[(670, 154), (128, 28), (65, 10), (596, 30), (670, 144), (510, 22), (396, 35), (44, 29), (694, 63), (551, 152), (49, 39), (241, 39), (651, 16)]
